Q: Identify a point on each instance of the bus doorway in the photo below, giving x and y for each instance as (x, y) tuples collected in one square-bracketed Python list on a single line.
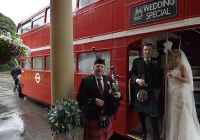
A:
[(187, 41)]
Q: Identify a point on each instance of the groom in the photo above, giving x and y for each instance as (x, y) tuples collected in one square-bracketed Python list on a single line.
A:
[(144, 73)]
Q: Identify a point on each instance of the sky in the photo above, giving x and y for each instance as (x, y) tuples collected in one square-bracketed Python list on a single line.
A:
[(17, 10)]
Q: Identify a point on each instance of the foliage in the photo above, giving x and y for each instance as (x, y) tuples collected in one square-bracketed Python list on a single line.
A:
[(64, 116), (12, 45), (7, 24), (5, 67), (10, 65)]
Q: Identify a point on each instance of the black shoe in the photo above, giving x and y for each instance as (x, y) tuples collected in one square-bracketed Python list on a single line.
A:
[(144, 135), (157, 138)]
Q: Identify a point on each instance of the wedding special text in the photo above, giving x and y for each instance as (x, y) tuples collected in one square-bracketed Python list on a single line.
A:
[(153, 10)]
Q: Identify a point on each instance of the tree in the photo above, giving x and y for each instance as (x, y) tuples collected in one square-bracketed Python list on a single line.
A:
[(7, 24)]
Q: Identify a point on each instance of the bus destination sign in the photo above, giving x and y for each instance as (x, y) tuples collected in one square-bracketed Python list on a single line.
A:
[(154, 10)]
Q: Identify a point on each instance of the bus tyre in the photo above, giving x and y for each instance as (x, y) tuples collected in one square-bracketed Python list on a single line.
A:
[(20, 91)]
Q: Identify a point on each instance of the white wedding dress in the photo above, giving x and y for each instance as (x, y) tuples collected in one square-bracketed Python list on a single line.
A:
[(179, 122)]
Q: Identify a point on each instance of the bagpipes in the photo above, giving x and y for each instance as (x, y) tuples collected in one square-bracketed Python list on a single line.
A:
[(114, 87)]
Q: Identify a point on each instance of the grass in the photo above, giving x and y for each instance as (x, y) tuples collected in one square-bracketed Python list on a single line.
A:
[(6, 72)]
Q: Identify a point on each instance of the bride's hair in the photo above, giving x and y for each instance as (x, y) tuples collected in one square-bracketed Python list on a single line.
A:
[(177, 51)]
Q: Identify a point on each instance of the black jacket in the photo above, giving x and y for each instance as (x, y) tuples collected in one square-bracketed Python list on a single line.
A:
[(88, 92), (138, 69), (15, 72)]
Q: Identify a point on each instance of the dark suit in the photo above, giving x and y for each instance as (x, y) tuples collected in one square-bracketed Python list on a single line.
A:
[(15, 72), (151, 73), (87, 94)]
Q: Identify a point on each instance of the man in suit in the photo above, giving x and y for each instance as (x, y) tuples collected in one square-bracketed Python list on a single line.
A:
[(15, 72), (145, 73), (94, 94)]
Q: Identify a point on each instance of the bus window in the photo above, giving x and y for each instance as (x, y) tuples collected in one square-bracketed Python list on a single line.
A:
[(26, 26), (38, 20), (83, 3), (86, 61), (38, 63), (19, 29), (48, 16), (132, 55), (74, 63), (26, 64), (48, 66)]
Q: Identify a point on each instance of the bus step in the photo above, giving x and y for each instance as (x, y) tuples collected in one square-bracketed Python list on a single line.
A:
[(137, 136)]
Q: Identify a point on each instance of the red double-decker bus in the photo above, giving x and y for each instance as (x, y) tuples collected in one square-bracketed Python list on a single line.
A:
[(117, 29)]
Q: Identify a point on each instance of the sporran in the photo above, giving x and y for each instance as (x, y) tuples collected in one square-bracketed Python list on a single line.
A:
[(103, 121), (142, 95)]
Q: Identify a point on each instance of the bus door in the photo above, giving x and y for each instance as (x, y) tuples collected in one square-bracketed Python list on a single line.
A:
[(47, 80), (132, 119), (25, 79), (135, 50)]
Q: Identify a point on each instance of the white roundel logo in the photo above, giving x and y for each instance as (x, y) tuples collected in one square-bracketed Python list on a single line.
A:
[(37, 77)]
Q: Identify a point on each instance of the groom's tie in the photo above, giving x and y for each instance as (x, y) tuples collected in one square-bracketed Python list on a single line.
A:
[(147, 62)]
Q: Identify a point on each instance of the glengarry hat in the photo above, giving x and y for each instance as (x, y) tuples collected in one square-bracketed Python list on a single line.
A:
[(99, 61)]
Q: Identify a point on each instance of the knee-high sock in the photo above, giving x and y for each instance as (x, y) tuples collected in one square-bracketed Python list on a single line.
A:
[(142, 120), (154, 124)]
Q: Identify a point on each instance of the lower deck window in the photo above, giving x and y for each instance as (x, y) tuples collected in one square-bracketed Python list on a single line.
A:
[(86, 61), (38, 63), (26, 64)]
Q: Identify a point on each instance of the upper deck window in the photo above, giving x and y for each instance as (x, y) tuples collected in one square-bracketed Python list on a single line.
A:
[(38, 20), (48, 16), (83, 3), (19, 29), (26, 26), (86, 61)]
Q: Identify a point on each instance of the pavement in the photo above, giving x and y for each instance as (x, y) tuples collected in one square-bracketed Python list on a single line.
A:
[(23, 118)]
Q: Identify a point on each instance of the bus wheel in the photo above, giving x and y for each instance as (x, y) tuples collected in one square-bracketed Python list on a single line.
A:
[(20, 91)]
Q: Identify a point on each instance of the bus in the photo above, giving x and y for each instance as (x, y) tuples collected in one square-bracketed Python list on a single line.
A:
[(117, 29)]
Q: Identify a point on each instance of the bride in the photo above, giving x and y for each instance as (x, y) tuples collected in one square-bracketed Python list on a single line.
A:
[(181, 117)]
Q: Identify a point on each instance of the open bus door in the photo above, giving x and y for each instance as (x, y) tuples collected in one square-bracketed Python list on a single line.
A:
[(132, 119)]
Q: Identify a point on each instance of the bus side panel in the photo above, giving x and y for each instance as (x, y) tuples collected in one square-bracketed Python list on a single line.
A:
[(26, 83), (47, 82), (94, 24), (37, 78), (119, 124), (192, 8), (36, 37), (118, 15), (45, 39)]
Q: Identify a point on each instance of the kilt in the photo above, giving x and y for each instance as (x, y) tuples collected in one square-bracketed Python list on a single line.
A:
[(92, 130), (149, 107)]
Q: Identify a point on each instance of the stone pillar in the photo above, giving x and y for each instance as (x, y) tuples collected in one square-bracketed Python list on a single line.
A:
[(61, 33)]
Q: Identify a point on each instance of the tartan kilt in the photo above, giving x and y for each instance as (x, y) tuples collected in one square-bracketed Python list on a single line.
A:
[(149, 107), (92, 130)]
